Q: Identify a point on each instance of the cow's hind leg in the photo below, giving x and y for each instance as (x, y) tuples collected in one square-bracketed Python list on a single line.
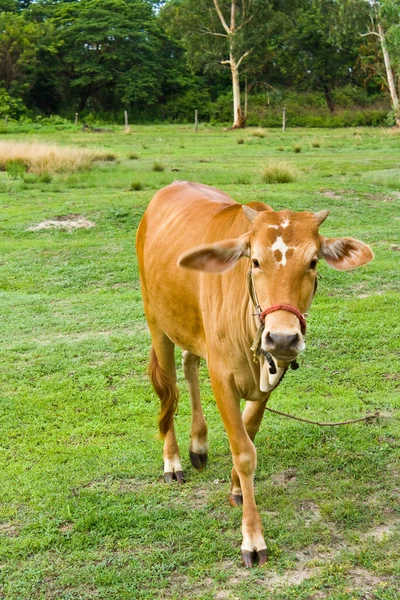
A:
[(198, 437), (252, 417), (163, 377)]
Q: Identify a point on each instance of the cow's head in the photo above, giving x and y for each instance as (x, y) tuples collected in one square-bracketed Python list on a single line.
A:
[(284, 248)]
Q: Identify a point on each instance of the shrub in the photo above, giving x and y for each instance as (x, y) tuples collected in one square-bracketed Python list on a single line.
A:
[(279, 172), (133, 156), (316, 144), (107, 156), (240, 140), (136, 186), (259, 132), (9, 106), (45, 178), (158, 167), (297, 148), (30, 178), (16, 168), (243, 180)]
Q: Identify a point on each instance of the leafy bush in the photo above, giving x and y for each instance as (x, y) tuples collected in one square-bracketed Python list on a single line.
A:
[(56, 121), (181, 108), (9, 106)]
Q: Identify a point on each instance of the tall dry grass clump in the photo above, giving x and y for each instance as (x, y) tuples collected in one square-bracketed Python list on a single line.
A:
[(42, 158), (279, 172)]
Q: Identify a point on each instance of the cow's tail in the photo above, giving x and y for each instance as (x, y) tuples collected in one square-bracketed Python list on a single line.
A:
[(166, 390)]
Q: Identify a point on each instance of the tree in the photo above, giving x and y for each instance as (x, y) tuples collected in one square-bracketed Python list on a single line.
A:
[(21, 42), (384, 24), (380, 20), (310, 50), (222, 32)]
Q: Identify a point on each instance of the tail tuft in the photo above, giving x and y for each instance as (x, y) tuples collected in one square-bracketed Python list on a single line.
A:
[(166, 390)]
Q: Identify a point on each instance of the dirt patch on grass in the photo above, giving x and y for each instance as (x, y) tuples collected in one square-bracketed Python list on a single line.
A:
[(8, 529), (295, 577), (363, 579), (285, 477), (68, 222), (379, 197), (381, 532), (331, 194), (311, 512)]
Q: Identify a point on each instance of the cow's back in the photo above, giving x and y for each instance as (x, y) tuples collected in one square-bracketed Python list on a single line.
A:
[(178, 218)]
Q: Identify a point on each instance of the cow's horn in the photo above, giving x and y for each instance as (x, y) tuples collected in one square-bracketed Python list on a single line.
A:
[(250, 213), (321, 216)]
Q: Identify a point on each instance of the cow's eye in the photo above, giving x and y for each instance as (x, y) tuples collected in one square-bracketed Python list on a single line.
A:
[(256, 264), (313, 263)]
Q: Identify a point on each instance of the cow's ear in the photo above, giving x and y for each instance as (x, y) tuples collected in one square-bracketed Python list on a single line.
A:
[(215, 258), (344, 254)]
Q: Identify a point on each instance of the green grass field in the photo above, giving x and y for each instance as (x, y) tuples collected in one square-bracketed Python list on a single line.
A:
[(83, 509)]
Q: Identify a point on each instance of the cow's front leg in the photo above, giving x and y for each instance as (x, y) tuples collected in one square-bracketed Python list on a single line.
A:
[(245, 460), (252, 417)]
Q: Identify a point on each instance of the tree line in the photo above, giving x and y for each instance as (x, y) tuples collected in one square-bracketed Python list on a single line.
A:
[(162, 59)]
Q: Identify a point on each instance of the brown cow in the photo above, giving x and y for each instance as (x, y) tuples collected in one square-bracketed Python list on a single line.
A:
[(199, 295)]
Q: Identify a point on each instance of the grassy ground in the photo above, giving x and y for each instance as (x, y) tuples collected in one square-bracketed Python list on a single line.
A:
[(83, 511)]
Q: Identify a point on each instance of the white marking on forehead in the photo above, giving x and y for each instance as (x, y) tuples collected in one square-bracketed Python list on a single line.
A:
[(284, 224), (282, 247)]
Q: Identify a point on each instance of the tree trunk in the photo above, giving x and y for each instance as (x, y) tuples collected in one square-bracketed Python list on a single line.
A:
[(84, 99), (389, 73), (238, 120), (329, 99)]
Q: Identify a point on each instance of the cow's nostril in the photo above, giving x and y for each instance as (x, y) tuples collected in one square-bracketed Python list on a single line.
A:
[(292, 340), (270, 339)]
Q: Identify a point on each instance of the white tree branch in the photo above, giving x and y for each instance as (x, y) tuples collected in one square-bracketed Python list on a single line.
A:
[(243, 23), (207, 31), (224, 62), (371, 33), (242, 57), (221, 17)]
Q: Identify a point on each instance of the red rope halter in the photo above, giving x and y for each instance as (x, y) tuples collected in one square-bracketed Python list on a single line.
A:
[(288, 308)]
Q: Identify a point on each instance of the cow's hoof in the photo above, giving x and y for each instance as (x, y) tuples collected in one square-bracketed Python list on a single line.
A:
[(199, 461), (235, 499), (176, 476), (250, 559)]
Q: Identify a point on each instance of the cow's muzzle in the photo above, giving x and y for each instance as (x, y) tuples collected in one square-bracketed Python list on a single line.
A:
[(284, 346)]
